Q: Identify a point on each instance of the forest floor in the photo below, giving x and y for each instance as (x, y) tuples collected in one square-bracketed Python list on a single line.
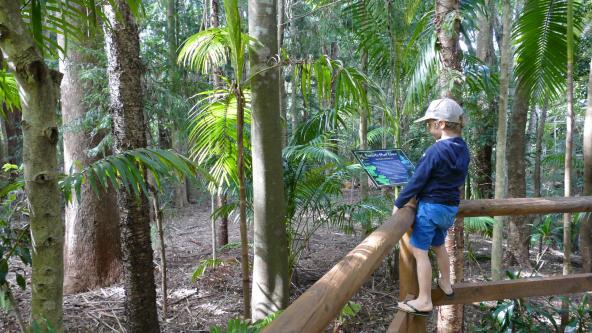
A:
[(216, 298)]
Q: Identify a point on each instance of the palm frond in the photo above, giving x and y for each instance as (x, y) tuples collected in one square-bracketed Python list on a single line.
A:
[(128, 170), (541, 53), (213, 137)]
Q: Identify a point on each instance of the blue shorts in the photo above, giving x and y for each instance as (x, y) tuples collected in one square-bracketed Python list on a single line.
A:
[(431, 224)]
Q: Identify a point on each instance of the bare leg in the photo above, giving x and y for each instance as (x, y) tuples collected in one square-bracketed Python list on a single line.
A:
[(444, 268), (424, 278)]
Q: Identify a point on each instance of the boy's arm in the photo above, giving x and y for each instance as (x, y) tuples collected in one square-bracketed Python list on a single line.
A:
[(417, 181)]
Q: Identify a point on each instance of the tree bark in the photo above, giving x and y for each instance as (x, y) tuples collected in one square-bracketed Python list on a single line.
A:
[(451, 317), (270, 263), (222, 232), (501, 136), (519, 236), (180, 198), (242, 200), (540, 131), (38, 87), (125, 72), (14, 136), (586, 225), (92, 253), (482, 165), (569, 123), (363, 134)]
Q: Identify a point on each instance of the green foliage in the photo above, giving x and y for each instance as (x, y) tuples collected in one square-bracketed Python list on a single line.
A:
[(213, 136), (480, 224), (350, 310), (203, 266), (518, 315), (244, 326), (541, 37), (9, 95), (14, 234), (128, 170), (210, 48)]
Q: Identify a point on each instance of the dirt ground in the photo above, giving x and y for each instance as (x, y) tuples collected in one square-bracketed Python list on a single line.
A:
[(216, 298)]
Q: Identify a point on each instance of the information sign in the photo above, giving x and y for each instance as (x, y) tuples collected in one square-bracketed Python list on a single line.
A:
[(386, 167)]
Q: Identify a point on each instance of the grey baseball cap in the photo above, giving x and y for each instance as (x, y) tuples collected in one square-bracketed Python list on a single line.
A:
[(443, 109)]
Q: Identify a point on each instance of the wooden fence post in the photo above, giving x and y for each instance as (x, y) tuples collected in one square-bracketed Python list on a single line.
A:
[(408, 282)]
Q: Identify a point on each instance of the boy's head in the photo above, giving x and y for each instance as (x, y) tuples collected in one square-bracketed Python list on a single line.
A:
[(443, 116)]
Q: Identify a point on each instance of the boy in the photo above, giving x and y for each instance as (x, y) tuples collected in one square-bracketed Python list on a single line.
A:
[(436, 183)]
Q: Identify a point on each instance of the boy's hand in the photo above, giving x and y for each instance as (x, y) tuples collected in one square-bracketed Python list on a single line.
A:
[(395, 209)]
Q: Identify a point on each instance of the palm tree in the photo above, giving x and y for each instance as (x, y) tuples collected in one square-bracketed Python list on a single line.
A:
[(500, 150), (209, 48)]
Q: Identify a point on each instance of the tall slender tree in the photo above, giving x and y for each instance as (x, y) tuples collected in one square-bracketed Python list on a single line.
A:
[(125, 71), (450, 317), (569, 124), (482, 164), (586, 225), (92, 254), (519, 234), (39, 96), (500, 148), (270, 261)]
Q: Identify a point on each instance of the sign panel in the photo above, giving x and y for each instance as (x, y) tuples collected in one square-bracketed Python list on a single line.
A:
[(386, 167)]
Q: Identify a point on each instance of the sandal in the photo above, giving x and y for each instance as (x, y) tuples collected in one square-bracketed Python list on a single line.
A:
[(413, 311)]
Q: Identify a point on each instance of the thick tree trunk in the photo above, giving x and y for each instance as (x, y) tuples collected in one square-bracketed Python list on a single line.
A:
[(586, 225), (451, 317), (38, 87), (125, 72), (501, 136), (92, 253), (519, 236), (270, 263)]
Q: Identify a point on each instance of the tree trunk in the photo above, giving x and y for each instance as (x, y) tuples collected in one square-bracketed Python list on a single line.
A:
[(125, 72), (569, 123), (242, 200), (363, 134), (519, 236), (180, 198), (38, 87), (282, 81), (222, 238), (450, 317), (482, 165), (540, 131), (92, 253), (270, 263), (501, 136), (586, 225), (14, 136)]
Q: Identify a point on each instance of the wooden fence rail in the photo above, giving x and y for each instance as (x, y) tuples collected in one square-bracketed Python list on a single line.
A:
[(465, 293), (323, 301)]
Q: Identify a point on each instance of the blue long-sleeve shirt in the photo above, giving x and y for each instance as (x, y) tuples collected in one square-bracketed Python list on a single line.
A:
[(439, 173)]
